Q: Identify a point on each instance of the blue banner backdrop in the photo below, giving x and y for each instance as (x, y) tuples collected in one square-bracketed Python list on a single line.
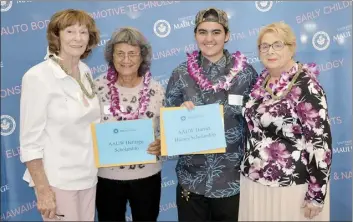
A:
[(323, 31)]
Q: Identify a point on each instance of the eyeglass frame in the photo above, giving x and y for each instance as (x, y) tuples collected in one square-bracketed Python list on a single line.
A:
[(122, 55), (271, 46)]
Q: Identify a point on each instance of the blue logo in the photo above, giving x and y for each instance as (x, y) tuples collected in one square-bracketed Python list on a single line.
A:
[(5, 6), (321, 40), (182, 118), (263, 6), (8, 125), (116, 131), (161, 28)]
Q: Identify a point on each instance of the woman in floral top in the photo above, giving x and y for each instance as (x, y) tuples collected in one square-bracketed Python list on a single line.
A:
[(286, 166)]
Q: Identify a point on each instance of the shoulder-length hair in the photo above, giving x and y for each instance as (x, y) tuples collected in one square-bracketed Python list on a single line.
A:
[(63, 19), (132, 37)]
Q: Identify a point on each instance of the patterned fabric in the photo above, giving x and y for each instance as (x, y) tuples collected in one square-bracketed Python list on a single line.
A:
[(213, 175), (222, 17), (289, 138)]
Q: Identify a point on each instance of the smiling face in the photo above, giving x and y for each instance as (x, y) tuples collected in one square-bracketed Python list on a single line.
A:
[(210, 38), (73, 41), (274, 52), (127, 59)]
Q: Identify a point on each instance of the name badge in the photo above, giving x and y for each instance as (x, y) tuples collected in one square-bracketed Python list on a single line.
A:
[(106, 110), (235, 99)]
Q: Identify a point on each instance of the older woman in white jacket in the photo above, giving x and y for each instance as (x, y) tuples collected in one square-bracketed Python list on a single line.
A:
[(58, 104)]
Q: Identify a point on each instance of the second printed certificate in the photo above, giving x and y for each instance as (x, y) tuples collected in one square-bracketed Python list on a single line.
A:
[(197, 131)]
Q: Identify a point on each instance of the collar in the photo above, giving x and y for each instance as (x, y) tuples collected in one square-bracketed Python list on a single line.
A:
[(205, 63), (220, 64), (60, 73), (57, 71)]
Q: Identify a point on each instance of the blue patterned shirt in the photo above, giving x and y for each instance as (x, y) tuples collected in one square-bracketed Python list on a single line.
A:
[(213, 175)]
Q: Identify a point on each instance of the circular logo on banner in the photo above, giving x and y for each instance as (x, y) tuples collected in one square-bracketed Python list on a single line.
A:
[(321, 40), (161, 28), (5, 6), (263, 6), (8, 125)]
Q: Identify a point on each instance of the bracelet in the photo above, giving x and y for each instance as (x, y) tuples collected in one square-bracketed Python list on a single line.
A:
[(316, 204)]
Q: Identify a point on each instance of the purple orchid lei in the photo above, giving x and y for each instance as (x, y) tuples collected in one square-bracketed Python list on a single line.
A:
[(279, 87), (196, 72), (115, 108)]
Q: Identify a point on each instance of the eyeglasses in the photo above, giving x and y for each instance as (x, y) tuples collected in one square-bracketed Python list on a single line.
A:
[(131, 56), (277, 46)]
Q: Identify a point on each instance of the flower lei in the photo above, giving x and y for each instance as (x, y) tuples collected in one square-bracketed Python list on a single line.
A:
[(205, 84), (284, 82), (115, 108)]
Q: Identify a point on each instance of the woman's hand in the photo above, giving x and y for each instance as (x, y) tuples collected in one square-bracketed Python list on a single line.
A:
[(155, 148), (311, 209), (46, 202)]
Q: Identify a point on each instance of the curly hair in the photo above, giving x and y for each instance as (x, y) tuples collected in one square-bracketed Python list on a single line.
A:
[(63, 19), (132, 37)]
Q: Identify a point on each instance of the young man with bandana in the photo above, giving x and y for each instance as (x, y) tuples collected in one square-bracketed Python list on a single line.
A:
[(208, 184)]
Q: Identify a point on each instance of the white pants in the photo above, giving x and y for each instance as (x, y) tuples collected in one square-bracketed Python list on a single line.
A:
[(75, 205)]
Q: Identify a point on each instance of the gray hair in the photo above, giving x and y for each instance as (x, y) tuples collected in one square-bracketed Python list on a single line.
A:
[(132, 37)]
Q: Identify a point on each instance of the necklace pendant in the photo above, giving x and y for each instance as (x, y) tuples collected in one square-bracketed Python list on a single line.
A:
[(185, 194)]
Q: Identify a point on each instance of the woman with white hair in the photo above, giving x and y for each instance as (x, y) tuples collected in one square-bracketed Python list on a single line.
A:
[(286, 166)]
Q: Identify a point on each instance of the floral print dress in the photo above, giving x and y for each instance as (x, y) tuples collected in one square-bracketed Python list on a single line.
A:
[(289, 137)]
